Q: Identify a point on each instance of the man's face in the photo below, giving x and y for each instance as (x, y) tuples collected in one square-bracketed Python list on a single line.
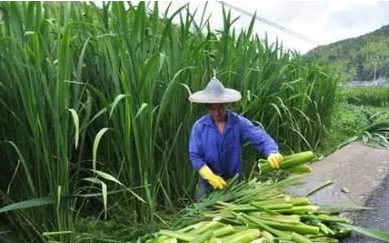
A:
[(217, 112)]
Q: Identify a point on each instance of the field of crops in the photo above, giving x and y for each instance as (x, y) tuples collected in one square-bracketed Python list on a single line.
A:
[(361, 113), (94, 116)]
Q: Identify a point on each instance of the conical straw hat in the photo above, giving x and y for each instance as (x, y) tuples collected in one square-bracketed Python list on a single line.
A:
[(215, 92)]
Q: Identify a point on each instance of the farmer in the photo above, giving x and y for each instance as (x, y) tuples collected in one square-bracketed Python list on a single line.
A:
[(216, 139)]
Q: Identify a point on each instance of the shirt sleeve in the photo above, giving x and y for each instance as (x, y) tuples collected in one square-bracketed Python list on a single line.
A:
[(262, 141), (195, 149)]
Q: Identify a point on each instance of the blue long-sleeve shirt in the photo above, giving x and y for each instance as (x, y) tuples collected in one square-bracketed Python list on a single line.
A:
[(222, 151)]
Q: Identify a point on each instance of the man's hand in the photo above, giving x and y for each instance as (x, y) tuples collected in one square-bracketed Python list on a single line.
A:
[(216, 181), (275, 160)]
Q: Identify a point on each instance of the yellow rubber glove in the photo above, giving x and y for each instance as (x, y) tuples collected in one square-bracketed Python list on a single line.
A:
[(216, 181), (275, 160)]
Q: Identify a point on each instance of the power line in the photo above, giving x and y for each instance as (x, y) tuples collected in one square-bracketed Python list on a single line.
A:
[(277, 26)]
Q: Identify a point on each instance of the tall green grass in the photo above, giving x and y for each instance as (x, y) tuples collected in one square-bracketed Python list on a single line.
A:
[(94, 116)]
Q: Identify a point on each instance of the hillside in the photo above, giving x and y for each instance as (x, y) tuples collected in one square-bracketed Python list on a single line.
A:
[(359, 58)]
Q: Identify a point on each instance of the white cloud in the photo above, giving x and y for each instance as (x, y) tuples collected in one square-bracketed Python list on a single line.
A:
[(323, 21)]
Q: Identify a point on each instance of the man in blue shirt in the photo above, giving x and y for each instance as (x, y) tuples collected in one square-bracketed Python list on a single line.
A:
[(216, 139)]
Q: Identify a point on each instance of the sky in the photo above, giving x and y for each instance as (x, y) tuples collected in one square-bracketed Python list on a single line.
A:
[(322, 22)]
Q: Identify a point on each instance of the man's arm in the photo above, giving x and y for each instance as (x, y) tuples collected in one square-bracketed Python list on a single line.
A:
[(196, 153), (262, 141), (196, 157)]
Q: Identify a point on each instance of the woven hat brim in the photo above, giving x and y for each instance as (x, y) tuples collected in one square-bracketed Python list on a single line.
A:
[(228, 96)]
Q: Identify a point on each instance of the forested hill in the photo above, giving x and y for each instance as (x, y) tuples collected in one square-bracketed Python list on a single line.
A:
[(359, 58)]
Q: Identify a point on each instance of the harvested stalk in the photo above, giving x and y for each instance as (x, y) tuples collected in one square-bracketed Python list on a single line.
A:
[(257, 211), (289, 161), (325, 184)]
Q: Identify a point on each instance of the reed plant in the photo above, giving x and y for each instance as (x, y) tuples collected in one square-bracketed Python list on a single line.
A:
[(94, 116)]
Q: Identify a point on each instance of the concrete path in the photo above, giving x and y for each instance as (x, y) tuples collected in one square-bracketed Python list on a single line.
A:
[(360, 176), (377, 219)]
